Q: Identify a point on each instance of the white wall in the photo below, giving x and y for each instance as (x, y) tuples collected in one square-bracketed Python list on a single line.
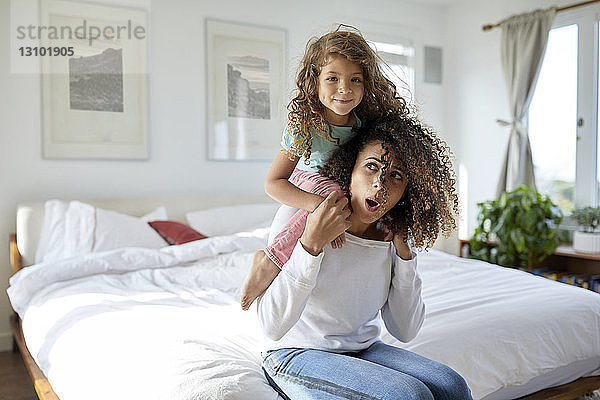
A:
[(475, 94), (177, 162)]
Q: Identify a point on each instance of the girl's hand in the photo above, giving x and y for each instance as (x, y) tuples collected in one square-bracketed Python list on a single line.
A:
[(326, 223)]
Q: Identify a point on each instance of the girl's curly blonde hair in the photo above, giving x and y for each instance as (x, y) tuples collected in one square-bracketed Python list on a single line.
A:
[(306, 112)]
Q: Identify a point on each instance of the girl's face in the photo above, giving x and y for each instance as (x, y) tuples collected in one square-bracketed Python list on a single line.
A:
[(368, 199), (341, 88)]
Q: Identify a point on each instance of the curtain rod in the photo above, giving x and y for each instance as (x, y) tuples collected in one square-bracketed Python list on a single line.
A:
[(584, 3)]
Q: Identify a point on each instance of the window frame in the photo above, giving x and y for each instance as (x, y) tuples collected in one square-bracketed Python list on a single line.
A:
[(586, 163)]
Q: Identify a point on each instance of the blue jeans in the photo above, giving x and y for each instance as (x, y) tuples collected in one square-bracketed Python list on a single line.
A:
[(379, 372)]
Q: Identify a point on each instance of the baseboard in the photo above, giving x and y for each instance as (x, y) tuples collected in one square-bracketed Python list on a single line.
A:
[(6, 341)]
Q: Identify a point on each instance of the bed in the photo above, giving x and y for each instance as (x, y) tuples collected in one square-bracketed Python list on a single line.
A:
[(162, 321)]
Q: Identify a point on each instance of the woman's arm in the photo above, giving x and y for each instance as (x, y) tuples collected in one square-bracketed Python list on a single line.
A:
[(282, 190), (282, 304), (404, 311)]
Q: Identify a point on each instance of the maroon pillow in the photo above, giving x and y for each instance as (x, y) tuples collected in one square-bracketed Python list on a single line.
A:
[(175, 232)]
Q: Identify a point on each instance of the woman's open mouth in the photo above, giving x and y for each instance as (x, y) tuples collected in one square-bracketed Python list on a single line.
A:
[(343, 101), (372, 204)]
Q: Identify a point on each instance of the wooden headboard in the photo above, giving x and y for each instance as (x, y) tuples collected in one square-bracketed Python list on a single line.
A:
[(30, 215), (16, 261)]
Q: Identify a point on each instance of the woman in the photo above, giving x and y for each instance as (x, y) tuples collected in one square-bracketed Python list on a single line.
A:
[(321, 315)]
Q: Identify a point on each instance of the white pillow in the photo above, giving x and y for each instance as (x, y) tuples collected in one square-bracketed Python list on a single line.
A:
[(89, 230), (52, 236), (232, 219), (160, 214)]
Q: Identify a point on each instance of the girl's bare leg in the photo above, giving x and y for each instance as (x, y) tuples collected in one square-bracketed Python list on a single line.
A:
[(262, 272)]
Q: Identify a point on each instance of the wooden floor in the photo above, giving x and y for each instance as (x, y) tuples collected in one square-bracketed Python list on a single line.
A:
[(16, 384)]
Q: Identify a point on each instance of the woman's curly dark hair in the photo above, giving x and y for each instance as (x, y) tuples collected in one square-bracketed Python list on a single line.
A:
[(430, 203), (306, 112)]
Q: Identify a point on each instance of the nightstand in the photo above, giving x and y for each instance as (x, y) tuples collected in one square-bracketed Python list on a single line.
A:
[(563, 262)]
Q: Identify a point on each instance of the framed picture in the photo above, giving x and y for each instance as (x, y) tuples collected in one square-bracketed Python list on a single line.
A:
[(94, 87), (246, 88)]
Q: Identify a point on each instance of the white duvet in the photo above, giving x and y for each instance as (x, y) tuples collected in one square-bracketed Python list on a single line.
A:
[(165, 324)]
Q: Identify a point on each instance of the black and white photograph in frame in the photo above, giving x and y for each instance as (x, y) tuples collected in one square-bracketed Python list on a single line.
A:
[(95, 101), (96, 80), (246, 87)]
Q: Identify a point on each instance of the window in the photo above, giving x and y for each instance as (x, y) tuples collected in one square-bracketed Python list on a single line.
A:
[(552, 117), (400, 66), (598, 117), (563, 114)]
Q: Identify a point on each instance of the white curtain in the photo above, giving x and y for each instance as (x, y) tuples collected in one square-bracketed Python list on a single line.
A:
[(524, 39)]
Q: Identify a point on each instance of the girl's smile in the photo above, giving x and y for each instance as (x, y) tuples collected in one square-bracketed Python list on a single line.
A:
[(341, 89)]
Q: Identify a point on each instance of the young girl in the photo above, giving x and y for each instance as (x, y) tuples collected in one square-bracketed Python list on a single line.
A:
[(339, 84)]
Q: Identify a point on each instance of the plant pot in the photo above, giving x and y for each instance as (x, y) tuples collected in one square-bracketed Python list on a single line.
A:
[(586, 242)]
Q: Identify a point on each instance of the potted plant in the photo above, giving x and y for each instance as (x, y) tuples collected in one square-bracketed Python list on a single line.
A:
[(517, 230), (588, 239)]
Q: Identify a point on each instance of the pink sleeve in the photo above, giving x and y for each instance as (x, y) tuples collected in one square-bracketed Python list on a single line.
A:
[(280, 250)]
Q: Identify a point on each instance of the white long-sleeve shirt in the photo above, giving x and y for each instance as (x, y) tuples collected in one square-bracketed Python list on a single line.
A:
[(332, 301)]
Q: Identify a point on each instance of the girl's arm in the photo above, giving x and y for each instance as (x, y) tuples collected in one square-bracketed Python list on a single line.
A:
[(282, 190), (404, 311)]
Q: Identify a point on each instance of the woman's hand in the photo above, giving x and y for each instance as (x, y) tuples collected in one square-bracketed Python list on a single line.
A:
[(383, 225), (326, 223), (402, 249)]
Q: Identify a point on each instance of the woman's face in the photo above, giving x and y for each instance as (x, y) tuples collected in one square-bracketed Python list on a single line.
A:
[(367, 196)]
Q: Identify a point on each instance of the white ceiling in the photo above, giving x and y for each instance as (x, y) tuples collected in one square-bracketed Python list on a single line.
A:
[(437, 2)]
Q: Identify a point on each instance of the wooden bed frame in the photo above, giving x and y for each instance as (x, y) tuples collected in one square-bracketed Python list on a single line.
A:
[(40, 382), (569, 391)]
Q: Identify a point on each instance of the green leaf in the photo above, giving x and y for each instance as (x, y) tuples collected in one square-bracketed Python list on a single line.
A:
[(518, 239), (507, 260), (499, 225), (526, 203), (528, 220), (503, 200)]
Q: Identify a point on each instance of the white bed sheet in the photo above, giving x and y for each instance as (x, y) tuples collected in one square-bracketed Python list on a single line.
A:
[(166, 324), (501, 328)]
